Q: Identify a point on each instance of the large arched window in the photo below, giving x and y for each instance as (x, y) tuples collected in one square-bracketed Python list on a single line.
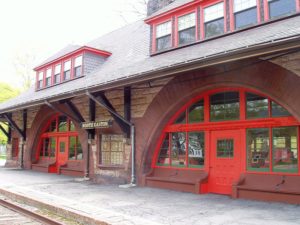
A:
[(60, 134), (269, 133)]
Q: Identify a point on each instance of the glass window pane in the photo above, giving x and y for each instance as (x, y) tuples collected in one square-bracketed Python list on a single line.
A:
[(57, 79), (62, 123), (41, 148), (258, 149), (224, 106), (196, 112), (196, 149), (225, 148), (214, 28), (112, 150), (67, 75), (77, 71), (181, 119), (72, 126), (79, 154), (52, 146), (78, 61), (278, 8), (49, 72), (285, 149), (72, 148), (178, 149), (257, 106), (67, 65), (186, 21), (163, 43), (47, 147), (163, 29), (57, 69), (164, 154), (278, 110), (214, 12), (240, 5), (52, 126), (186, 36), (245, 18), (41, 75)]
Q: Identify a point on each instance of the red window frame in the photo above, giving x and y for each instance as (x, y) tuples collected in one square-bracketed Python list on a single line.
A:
[(55, 134), (73, 65), (184, 13), (208, 4), (232, 20), (266, 9), (159, 22), (206, 126)]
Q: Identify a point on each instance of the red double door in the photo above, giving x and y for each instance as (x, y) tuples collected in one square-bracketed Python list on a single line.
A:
[(225, 160)]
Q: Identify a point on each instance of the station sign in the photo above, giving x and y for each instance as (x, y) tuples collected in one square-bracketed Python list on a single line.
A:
[(96, 124)]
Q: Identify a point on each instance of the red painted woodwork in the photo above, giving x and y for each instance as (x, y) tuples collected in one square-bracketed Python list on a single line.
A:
[(224, 171), (192, 7), (62, 151)]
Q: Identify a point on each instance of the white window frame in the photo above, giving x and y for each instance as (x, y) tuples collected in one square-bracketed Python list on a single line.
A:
[(209, 10), (240, 5), (186, 21)]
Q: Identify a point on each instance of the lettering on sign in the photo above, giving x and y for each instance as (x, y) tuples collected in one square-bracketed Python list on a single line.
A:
[(96, 124)]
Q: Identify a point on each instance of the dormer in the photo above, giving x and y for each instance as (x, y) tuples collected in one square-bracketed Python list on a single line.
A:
[(70, 63), (179, 23)]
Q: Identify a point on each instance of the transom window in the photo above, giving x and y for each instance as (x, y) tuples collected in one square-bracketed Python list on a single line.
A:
[(278, 8), (67, 70), (214, 20), (187, 28), (245, 13), (163, 36), (78, 66)]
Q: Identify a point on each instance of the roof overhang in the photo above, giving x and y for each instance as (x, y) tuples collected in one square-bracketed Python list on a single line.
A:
[(259, 50)]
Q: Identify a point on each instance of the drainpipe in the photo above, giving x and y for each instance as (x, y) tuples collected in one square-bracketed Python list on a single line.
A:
[(133, 178)]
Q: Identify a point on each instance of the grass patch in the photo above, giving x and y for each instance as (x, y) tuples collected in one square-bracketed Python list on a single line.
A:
[(3, 157)]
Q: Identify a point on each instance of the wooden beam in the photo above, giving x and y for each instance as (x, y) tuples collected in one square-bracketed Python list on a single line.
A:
[(74, 110), (62, 112), (24, 124), (104, 102), (4, 131), (8, 117), (127, 106), (92, 117)]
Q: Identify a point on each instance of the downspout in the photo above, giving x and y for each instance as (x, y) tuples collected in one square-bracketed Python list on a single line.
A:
[(132, 129), (22, 153), (87, 169)]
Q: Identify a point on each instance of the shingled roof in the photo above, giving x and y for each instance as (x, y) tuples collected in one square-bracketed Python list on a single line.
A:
[(131, 61)]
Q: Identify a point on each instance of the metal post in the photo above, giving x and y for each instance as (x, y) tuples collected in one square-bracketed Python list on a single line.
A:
[(22, 154), (133, 178)]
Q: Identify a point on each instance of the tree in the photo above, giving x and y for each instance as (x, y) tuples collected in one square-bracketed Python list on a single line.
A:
[(23, 64), (6, 92)]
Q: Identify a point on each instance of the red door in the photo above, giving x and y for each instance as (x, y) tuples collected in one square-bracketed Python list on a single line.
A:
[(62, 153), (225, 160)]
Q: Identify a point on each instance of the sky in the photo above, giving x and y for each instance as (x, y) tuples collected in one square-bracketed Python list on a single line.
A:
[(40, 28)]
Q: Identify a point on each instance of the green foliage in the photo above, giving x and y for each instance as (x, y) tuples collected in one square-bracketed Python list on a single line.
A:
[(6, 92)]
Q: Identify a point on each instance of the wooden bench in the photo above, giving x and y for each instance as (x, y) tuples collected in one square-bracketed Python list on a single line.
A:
[(43, 166), (176, 179), (283, 188), (71, 170)]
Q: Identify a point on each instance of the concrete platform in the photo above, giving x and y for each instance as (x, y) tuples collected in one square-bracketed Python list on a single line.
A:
[(100, 204)]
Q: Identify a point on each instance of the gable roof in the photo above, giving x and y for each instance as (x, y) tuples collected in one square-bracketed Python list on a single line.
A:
[(131, 62)]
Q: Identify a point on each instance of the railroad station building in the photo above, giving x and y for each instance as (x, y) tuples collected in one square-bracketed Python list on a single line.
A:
[(202, 96)]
